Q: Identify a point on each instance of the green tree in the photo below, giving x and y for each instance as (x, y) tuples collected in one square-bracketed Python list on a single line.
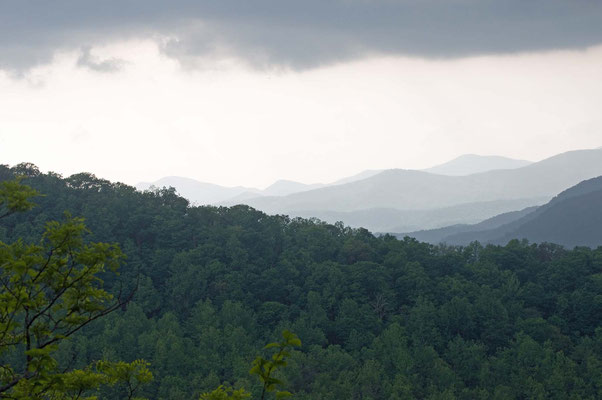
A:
[(15, 197), (48, 292), (265, 370)]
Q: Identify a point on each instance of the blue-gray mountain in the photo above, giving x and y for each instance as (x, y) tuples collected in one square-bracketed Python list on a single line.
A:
[(573, 218), (203, 193), (409, 200), (209, 193), (430, 194), (195, 191)]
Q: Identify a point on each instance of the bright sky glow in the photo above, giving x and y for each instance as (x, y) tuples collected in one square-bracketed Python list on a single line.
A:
[(227, 123)]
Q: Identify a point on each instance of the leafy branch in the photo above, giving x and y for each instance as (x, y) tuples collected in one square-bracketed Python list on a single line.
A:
[(48, 292), (265, 370)]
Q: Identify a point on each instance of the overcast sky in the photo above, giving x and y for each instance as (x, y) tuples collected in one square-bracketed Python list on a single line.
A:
[(241, 92)]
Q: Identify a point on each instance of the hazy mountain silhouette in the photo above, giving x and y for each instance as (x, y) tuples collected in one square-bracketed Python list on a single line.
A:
[(209, 193), (195, 191), (573, 218), (279, 188), (285, 187), (407, 200), (358, 177), (440, 235), (381, 220), (473, 164), (415, 190)]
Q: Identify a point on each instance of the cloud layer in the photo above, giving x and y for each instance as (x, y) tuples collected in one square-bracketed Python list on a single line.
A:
[(297, 34)]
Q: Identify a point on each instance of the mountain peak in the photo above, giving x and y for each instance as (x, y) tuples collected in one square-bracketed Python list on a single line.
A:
[(469, 164), (283, 187)]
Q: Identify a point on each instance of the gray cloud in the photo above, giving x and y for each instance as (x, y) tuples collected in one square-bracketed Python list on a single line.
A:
[(300, 34)]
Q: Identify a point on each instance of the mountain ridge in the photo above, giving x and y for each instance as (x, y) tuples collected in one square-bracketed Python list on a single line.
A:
[(411, 189), (469, 164), (389, 195), (572, 218)]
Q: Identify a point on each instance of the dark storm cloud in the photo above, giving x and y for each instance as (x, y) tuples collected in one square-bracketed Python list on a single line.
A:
[(301, 33)]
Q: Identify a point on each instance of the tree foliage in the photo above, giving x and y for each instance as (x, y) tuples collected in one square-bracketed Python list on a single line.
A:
[(49, 291), (380, 318), (265, 370), (15, 197)]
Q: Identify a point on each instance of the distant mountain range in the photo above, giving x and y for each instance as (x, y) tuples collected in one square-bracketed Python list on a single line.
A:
[(209, 193), (195, 191), (278, 188), (573, 218), (380, 220), (452, 234), (409, 200), (203, 193), (415, 190), (469, 164)]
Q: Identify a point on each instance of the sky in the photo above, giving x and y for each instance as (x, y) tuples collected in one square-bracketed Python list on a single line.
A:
[(245, 93)]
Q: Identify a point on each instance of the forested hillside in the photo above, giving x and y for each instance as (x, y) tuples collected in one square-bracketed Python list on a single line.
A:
[(379, 318)]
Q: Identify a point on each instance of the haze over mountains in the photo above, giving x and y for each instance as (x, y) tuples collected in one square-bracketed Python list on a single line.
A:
[(573, 218), (383, 220), (473, 164), (209, 193), (400, 200), (442, 235), (203, 193), (195, 191)]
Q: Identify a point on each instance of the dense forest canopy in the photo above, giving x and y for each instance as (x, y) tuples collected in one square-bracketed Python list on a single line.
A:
[(379, 318)]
